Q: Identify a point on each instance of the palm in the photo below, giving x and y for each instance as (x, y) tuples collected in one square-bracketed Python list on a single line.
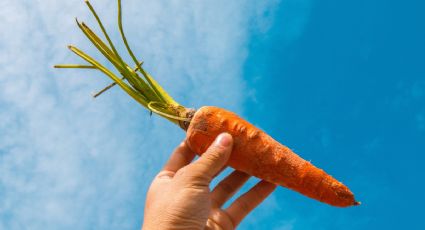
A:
[(180, 195)]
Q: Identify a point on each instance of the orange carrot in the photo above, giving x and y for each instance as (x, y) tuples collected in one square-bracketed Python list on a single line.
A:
[(257, 154), (254, 151)]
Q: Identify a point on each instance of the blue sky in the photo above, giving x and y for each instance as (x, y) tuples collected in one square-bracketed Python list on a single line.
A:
[(342, 83)]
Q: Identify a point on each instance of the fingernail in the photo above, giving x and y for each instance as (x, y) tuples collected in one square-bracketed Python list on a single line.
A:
[(224, 140)]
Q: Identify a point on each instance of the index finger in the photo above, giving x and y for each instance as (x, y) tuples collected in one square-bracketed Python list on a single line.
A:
[(181, 157)]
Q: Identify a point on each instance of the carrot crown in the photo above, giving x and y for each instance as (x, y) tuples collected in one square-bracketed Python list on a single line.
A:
[(136, 82)]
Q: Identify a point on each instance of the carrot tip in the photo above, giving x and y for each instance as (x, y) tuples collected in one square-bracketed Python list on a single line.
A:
[(356, 203)]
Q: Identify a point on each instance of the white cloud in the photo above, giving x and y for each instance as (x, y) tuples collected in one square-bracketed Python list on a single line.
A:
[(67, 161)]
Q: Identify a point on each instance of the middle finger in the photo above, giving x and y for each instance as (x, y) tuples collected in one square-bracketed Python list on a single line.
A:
[(228, 187)]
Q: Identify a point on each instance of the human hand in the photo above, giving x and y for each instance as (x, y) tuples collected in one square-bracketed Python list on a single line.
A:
[(179, 196)]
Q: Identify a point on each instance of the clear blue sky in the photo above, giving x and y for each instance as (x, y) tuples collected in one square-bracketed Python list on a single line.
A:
[(342, 83), (349, 94)]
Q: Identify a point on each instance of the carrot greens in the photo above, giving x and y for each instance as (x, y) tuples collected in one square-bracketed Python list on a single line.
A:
[(136, 82)]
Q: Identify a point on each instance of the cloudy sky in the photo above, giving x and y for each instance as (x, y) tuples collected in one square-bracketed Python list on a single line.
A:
[(343, 84)]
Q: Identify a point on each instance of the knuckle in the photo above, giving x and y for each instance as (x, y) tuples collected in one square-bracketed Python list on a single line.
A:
[(195, 190), (197, 180), (182, 144), (197, 185)]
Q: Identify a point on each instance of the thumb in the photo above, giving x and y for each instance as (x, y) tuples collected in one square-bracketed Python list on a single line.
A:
[(214, 159)]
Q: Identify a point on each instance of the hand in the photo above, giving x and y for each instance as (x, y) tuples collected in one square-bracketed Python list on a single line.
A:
[(179, 196)]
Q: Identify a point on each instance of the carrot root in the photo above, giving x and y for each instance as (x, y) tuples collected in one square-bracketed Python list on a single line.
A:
[(258, 154)]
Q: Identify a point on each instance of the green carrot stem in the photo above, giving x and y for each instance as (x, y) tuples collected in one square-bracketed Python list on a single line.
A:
[(144, 90), (164, 97)]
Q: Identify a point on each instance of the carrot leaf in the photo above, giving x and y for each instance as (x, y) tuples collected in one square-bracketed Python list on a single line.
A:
[(145, 90)]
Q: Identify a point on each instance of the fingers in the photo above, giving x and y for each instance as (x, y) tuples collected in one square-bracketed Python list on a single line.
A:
[(228, 187), (214, 159), (220, 171), (248, 201), (181, 157)]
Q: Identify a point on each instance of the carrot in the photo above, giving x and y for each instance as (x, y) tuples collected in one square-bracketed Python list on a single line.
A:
[(257, 154), (254, 152)]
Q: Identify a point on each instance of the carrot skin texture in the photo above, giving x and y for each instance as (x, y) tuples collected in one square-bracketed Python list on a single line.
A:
[(258, 154)]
